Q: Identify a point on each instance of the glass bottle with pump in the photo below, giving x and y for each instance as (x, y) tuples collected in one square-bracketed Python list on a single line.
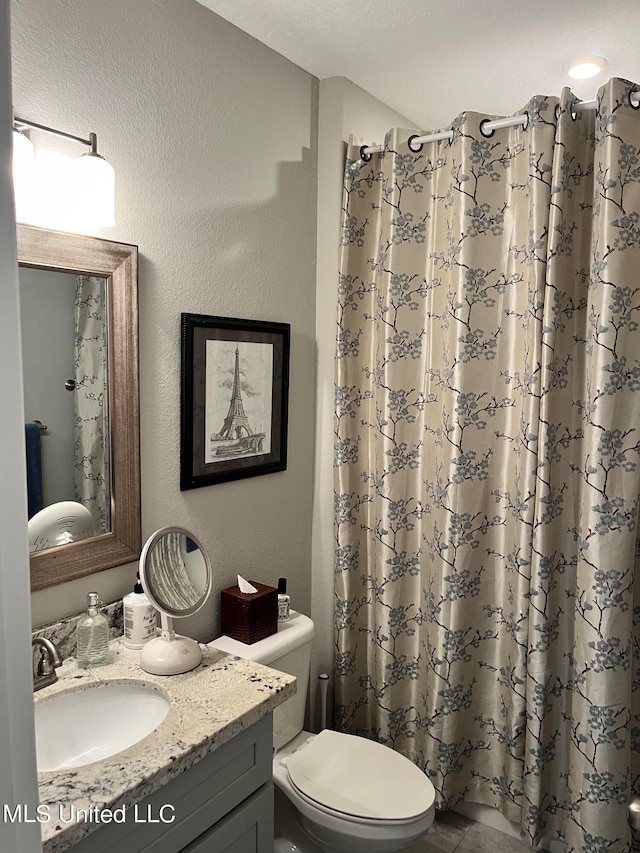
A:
[(93, 635)]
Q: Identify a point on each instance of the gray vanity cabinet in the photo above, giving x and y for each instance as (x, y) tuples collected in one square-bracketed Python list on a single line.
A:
[(223, 804)]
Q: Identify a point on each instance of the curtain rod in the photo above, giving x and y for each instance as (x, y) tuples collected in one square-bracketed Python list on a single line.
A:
[(487, 127)]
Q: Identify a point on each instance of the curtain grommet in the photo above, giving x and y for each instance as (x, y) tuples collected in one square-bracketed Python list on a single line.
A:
[(363, 154), (418, 149), (631, 104), (558, 110), (527, 119), (486, 133)]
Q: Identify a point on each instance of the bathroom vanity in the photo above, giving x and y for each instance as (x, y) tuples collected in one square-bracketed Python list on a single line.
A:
[(199, 783)]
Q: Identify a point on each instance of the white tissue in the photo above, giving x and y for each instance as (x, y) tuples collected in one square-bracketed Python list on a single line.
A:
[(245, 586)]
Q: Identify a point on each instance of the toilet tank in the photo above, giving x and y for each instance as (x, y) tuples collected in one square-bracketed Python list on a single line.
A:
[(288, 650)]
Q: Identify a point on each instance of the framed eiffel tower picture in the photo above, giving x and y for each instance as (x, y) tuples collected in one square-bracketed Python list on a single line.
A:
[(234, 399)]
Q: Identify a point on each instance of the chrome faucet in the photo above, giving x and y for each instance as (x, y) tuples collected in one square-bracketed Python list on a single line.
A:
[(45, 673)]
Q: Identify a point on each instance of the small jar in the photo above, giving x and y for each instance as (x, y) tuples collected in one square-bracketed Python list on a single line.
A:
[(284, 601)]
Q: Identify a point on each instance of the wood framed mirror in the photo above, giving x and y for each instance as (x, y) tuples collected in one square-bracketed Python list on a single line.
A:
[(117, 265)]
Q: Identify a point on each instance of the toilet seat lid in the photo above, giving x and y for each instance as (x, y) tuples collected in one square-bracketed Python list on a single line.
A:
[(360, 777)]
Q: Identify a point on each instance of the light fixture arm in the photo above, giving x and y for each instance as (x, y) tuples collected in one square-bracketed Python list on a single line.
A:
[(91, 142)]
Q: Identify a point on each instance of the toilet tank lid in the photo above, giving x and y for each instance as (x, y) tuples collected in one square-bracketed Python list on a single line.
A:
[(292, 634)]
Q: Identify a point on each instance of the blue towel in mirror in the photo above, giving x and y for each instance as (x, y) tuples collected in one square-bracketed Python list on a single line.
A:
[(33, 437)]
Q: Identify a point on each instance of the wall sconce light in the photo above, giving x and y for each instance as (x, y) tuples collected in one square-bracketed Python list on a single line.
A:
[(94, 178)]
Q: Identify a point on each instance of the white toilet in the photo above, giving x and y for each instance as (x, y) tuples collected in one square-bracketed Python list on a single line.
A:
[(351, 794)]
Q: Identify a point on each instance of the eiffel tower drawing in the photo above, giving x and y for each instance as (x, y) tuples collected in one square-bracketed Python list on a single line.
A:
[(236, 433), (236, 424)]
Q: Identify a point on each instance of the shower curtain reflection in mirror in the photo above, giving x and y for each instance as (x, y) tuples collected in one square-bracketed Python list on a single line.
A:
[(91, 463)]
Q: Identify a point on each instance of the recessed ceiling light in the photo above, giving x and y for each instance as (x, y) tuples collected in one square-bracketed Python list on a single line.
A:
[(587, 66)]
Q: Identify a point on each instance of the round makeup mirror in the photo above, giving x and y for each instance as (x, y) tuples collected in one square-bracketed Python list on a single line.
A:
[(176, 575)]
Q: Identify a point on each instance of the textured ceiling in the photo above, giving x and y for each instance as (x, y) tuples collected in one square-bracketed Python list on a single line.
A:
[(431, 59)]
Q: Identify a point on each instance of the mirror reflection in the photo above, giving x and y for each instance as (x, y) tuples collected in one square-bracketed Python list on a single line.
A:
[(175, 573), (80, 304), (65, 382), (59, 524)]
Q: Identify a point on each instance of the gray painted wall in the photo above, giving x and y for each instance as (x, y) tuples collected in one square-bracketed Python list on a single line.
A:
[(213, 139)]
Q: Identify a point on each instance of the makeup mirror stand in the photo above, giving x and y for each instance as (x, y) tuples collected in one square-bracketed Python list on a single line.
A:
[(170, 653), (175, 572)]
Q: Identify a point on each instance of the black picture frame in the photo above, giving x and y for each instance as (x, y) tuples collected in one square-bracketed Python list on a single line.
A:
[(234, 399)]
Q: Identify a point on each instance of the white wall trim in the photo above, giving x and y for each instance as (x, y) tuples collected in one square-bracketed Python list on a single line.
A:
[(18, 780)]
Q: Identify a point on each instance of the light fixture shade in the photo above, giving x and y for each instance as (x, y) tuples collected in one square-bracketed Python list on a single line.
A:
[(95, 190), (586, 67), (23, 175)]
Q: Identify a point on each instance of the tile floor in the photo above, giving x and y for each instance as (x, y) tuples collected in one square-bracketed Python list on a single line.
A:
[(454, 833)]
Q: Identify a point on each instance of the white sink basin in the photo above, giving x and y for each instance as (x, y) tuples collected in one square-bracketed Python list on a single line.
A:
[(74, 729)]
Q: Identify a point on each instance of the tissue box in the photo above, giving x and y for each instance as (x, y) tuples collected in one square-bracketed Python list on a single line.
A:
[(249, 617)]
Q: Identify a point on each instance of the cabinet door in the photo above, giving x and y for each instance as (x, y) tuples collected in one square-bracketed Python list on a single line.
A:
[(200, 797), (248, 829)]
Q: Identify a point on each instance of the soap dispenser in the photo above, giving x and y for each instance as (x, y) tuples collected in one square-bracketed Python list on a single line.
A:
[(140, 618), (93, 635)]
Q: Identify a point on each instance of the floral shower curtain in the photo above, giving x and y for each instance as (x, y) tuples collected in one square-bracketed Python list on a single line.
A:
[(487, 470), (91, 449)]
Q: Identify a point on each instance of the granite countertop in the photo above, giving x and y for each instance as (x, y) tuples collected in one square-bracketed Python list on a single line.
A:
[(209, 706)]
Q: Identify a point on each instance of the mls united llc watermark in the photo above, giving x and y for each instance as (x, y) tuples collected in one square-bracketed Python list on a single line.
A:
[(69, 813)]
